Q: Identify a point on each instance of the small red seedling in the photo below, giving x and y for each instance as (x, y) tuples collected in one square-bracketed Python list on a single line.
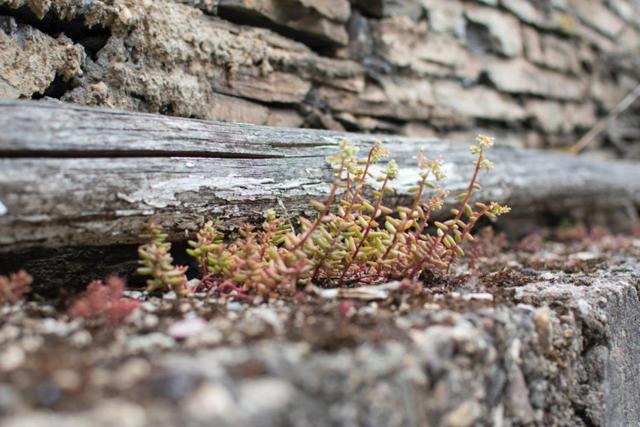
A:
[(14, 287), (531, 243), (346, 308), (104, 299), (487, 244)]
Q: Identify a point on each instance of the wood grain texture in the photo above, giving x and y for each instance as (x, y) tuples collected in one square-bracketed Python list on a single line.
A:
[(73, 175)]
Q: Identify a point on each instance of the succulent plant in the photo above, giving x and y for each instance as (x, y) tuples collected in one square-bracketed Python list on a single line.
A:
[(155, 261), (104, 299), (354, 238), (14, 287)]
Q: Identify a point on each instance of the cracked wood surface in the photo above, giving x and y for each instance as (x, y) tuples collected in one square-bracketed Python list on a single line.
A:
[(73, 175)]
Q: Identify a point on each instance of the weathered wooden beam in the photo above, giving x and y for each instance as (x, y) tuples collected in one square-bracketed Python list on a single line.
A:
[(72, 175)]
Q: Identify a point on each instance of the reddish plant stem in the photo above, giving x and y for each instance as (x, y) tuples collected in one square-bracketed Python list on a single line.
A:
[(347, 192), (203, 267), (358, 188), (425, 221), (416, 200), (367, 230), (316, 271), (418, 267), (226, 290), (327, 206), (467, 229)]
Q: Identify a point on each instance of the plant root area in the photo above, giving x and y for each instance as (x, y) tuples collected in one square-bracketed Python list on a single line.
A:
[(519, 335)]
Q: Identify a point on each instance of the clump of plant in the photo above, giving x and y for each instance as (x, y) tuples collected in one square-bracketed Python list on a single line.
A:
[(104, 299), (14, 287), (487, 244), (531, 243), (156, 262), (355, 238)]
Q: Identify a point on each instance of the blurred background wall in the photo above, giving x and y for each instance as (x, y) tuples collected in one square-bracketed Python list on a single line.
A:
[(534, 73)]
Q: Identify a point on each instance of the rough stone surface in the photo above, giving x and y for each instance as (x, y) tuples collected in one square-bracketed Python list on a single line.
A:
[(358, 65), (477, 102), (555, 117), (25, 71), (522, 77), (322, 20), (540, 347), (504, 29)]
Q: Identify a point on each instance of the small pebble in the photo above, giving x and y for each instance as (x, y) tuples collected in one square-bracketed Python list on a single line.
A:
[(478, 297), (187, 328), (11, 358), (81, 338)]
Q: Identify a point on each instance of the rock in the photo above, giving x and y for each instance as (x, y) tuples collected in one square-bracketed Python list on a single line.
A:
[(319, 20), (11, 358), (543, 320), (550, 52), (597, 16), (118, 412), (517, 403), (149, 342), (396, 97), (464, 415), (445, 16), (187, 328), (264, 397), (525, 10), (405, 44), (519, 76), (208, 6), (477, 101), (386, 8), (607, 310), (478, 296), (503, 29), (9, 399), (210, 402), (554, 117), (625, 10), (20, 44), (131, 372)]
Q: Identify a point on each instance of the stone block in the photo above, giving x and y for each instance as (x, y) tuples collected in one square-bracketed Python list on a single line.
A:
[(478, 101), (445, 16), (556, 117), (550, 51), (400, 98), (386, 8), (525, 10), (30, 60), (405, 44), (596, 15), (504, 29), (323, 20), (520, 76)]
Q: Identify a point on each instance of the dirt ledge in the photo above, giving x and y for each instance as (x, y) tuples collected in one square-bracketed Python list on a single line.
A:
[(532, 343)]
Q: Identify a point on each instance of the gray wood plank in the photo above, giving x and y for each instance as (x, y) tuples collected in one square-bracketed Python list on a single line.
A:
[(73, 175)]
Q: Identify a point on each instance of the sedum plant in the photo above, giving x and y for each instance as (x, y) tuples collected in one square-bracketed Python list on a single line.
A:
[(355, 238), (14, 287), (156, 262), (104, 299)]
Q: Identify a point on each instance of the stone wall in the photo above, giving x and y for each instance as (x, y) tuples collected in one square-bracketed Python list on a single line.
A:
[(535, 73)]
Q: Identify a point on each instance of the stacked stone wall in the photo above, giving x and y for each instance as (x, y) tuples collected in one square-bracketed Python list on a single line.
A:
[(535, 73)]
